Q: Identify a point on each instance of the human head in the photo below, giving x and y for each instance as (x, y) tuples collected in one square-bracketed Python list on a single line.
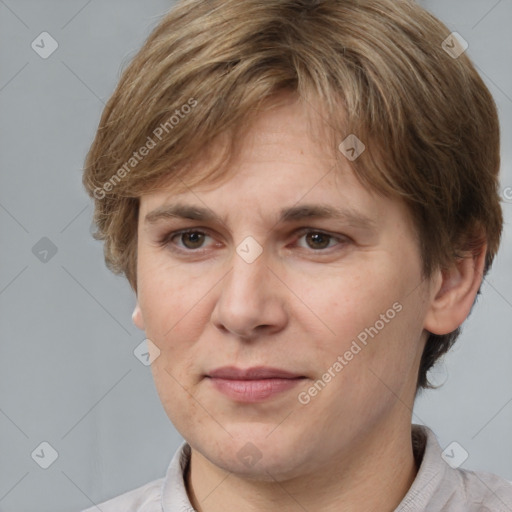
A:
[(376, 68)]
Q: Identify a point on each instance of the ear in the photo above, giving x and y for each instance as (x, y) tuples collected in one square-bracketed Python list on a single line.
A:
[(453, 293), (137, 319)]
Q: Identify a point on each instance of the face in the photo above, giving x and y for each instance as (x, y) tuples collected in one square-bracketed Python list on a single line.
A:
[(300, 268)]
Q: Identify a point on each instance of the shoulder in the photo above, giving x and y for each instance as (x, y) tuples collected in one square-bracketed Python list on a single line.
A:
[(485, 491), (164, 494), (146, 498), (442, 485)]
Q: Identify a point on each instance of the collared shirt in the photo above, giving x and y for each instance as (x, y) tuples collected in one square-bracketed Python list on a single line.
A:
[(439, 486)]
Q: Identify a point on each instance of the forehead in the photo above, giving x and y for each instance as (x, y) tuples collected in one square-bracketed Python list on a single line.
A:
[(283, 161), (290, 133)]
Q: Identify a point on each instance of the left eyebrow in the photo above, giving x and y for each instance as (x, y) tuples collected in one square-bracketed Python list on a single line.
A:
[(319, 211), (292, 214)]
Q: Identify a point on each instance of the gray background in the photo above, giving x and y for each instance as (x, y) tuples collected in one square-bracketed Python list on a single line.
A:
[(68, 375)]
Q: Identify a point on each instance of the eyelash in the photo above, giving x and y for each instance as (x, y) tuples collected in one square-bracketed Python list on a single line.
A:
[(166, 240)]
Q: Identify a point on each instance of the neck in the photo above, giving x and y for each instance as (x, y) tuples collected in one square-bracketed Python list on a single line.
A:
[(373, 475)]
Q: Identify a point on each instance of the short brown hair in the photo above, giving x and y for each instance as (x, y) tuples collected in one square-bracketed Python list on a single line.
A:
[(377, 69)]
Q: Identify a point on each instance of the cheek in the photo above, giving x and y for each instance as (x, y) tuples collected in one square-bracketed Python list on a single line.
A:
[(351, 300), (372, 320), (170, 297), (174, 308), (176, 394)]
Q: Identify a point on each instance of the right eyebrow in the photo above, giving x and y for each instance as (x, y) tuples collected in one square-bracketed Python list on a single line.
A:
[(182, 211)]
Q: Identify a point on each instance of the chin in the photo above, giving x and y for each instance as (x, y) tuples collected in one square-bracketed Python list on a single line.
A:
[(254, 454)]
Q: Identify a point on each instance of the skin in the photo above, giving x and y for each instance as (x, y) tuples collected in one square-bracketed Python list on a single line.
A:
[(298, 306)]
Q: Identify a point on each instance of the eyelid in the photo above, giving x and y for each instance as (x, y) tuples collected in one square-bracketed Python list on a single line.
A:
[(339, 236)]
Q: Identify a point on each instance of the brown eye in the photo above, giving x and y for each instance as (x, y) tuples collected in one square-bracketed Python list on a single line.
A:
[(192, 239), (321, 242), (187, 242), (318, 240)]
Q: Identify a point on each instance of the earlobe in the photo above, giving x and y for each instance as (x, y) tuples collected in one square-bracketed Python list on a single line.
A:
[(137, 319), (454, 292)]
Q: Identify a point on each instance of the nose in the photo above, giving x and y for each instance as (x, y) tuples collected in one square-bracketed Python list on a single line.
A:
[(251, 301)]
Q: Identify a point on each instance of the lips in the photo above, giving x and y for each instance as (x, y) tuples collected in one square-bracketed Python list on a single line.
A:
[(252, 384), (255, 373)]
